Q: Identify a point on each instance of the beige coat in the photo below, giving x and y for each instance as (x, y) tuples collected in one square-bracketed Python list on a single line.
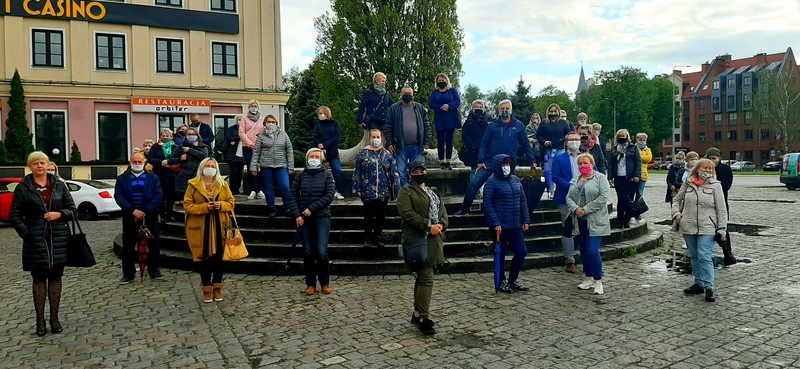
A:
[(702, 208)]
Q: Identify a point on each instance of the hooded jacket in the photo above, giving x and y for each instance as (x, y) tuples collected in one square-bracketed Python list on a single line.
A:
[(504, 139), (702, 208), (313, 190), (595, 191), (504, 202)]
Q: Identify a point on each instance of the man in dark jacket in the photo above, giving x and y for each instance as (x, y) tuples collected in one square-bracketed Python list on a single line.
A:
[(206, 133), (138, 194), (725, 177), (233, 155), (551, 134), (503, 136), (374, 104), (408, 131)]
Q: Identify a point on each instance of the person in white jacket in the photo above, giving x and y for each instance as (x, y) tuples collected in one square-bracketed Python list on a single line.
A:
[(699, 208)]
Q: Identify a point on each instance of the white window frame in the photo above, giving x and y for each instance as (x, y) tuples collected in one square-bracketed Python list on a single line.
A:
[(182, 6), (63, 47), (183, 55), (67, 146), (158, 124), (127, 52), (238, 59), (235, 11), (97, 129)]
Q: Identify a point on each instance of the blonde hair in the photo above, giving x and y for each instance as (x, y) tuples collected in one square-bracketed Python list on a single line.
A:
[(254, 101), (640, 135), (442, 75), (167, 131), (597, 126), (218, 181), (583, 115), (148, 141), (376, 75), (585, 155), (623, 130), (700, 162), (54, 166), (138, 153), (325, 110), (36, 156), (314, 149), (692, 154)]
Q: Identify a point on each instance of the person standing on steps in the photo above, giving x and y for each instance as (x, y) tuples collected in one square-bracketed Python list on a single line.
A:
[(189, 155), (626, 164), (725, 177), (375, 103), (205, 131), (159, 159), (233, 153), (327, 135), (530, 130), (375, 182), (472, 134), (590, 146), (564, 169), (445, 102), (250, 127), (274, 158), (408, 131), (551, 135)]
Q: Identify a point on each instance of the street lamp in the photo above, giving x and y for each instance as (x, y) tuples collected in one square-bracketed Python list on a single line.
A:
[(675, 96), (615, 114)]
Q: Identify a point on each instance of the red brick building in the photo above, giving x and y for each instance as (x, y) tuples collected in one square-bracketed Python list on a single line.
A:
[(717, 108)]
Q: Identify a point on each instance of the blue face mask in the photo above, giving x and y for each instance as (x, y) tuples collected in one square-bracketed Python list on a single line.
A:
[(408, 98), (178, 140), (191, 138), (505, 114)]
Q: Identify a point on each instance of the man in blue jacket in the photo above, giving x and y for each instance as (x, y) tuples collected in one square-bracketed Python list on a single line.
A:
[(138, 194), (564, 169), (503, 136)]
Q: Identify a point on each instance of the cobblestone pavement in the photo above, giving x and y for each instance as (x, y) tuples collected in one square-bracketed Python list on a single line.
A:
[(643, 320)]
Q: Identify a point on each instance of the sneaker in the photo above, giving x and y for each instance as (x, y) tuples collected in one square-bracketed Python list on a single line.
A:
[(426, 327), (598, 288), (252, 195), (126, 280), (418, 319), (587, 283), (518, 287), (156, 275), (729, 259), (710, 295), (310, 290), (261, 195), (338, 196), (327, 290), (694, 289), (506, 288), (460, 213), (571, 268)]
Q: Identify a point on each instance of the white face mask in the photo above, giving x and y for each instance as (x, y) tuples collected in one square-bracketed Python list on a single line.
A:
[(53, 172), (573, 145), (137, 168), (314, 163), (376, 142), (253, 111), (321, 116), (506, 170), (209, 172), (271, 127)]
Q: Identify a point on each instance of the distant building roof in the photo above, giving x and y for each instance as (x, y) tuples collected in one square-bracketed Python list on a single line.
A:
[(582, 86)]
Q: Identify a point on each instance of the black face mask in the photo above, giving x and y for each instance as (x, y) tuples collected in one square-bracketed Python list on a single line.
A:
[(552, 116), (419, 179), (478, 111), (622, 140), (441, 84), (408, 98)]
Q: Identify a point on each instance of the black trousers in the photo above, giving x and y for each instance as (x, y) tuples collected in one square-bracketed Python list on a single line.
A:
[(626, 190), (130, 238), (235, 176), (374, 217), (210, 270), (168, 189)]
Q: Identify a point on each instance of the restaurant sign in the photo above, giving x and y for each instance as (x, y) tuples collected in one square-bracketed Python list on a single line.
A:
[(159, 105)]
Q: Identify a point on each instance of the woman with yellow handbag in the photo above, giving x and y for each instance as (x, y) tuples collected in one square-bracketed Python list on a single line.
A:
[(208, 204)]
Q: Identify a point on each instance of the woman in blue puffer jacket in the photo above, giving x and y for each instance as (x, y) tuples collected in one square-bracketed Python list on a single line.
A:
[(506, 211)]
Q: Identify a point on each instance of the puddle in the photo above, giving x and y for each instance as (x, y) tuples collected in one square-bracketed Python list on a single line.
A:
[(745, 229), (681, 263)]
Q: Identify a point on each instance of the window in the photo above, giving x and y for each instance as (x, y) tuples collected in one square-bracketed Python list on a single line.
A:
[(748, 135), (748, 155), (701, 104), (676, 138), (746, 81), (717, 119), (715, 103), (48, 48), (112, 136), (748, 117), (732, 119), (702, 119), (223, 59), (702, 137), (170, 2), (223, 122), (226, 5), (765, 134), (705, 87), (731, 102), (732, 83), (747, 101), (110, 51), (50, 133), (717, 136), (170, 121), (733, 135), (169, 55), (715, 85)]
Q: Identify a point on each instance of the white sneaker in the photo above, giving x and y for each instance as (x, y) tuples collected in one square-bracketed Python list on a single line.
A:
[(261, 195), (587, 284), (598, 288), (252, 195), (338, 196)]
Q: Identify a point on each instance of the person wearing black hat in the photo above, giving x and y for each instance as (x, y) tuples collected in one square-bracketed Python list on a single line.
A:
[(423, 215), (725, 177)]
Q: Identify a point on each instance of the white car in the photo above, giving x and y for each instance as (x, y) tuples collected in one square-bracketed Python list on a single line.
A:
[(743, 166), (92, 198)]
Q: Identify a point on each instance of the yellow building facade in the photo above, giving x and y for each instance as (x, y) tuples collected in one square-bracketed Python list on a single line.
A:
[(110, 74)]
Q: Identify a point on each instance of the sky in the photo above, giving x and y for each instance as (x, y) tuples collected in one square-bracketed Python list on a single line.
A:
[(546, 42)]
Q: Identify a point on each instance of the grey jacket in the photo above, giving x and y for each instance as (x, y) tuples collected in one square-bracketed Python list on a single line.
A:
[(702, 208), (273, 152), (596, 208)]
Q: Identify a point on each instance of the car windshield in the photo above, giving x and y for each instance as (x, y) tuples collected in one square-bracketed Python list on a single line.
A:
[(95, 184)]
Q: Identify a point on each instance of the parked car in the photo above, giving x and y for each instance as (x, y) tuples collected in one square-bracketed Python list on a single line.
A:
[(655, 165), (743, 166), (92, 198), (790, 171), (728, 162), (772, 166), (7, 186)]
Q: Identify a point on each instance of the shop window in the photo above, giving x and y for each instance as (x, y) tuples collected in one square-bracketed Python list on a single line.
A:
[(110, 51), (224, 59), (224, 5), (50, 131), (170, 121), (48, 48), (112, 136), (169, 55)]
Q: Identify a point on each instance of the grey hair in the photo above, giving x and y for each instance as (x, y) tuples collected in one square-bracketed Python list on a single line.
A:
[(506, 101), (442, 75), (478, 101)]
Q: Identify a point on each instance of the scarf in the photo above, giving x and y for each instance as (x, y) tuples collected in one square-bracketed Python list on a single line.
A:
[(697, 181), (433, 212), (167, 147), (621, 151), (381, 89), (254, 117)]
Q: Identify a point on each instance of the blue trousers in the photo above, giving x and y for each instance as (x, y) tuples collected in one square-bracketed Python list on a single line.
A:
[(271, 177), (405, 156), (512, 239), (590, 251), (315, 251), (336, 169), (478, 180), (701, 248)]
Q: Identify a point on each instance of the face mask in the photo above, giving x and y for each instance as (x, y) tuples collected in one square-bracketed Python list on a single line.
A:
[(381, 88), (535, 121), (53, 172), (209, 172), (166, 139), (147, 150), (271, 127), (506, 170), (622, 140), (441, 84), (642, 144), (585, 169), (705, 175), (408, 98), (321, 116), (597, 133), (419, 179), (715, 161), (314, 163), (690, 164), (137, 168), (573, 145), (552, 115), (191, 138), (505, 114), (582, 122), (376, 142), (253, 111), (196, 123), (478, 111), (178, 140)]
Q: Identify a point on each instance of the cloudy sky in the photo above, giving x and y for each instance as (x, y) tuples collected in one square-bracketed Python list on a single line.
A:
[(546, 41)]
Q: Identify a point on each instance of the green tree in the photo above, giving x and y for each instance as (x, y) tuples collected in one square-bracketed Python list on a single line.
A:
[(549, 95), (302, 111), (19, 140), (522, 102), (3, 153), (410, 41), (75, 153), (469, 94), (777, 104), (493, 98)]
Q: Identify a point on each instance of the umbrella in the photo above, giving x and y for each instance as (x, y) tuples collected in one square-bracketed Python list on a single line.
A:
[(295, 240), (498, 265), (143, 247), (533, 187)]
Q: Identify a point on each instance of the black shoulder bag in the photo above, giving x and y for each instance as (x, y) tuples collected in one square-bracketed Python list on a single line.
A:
[(79, 253)]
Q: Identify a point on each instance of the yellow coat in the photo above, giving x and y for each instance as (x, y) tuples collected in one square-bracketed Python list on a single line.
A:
[(194, 205), (647, 157)]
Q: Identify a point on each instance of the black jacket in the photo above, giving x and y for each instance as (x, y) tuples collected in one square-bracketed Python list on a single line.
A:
[(725, 177), (155, 157), (328, 133), (206, 133), (633, 162), (194, 156), (471, 136), (27, 218), (313, 190), (394, 126), (230, 144), (373, 106)]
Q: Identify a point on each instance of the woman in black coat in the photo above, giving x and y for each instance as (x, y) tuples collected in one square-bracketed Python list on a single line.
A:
[(188, 155), (625, 171), (472, 134), (41, 208), (674, 179), (327, 135)]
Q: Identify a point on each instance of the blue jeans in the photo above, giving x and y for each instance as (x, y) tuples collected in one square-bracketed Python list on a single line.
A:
[(512, 239), (404, 156), (590, 251), (701, 248), (641, 188), (478, 180), (271, 176), (255, 182), (336, 169), (315, 251)]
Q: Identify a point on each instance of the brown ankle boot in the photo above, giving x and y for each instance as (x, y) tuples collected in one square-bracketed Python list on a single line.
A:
[(207, 293), (218, 291)]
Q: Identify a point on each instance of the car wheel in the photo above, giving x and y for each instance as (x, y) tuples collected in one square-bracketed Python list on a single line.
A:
[(791, 187), (87, 211)]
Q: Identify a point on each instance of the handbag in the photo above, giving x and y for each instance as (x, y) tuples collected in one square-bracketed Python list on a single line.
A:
[(638, 206), (79, 253), (175, 168), (415, 253), (235, 249)]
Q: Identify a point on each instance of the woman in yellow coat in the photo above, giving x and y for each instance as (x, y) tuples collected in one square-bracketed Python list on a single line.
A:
[(208, 203), (647, 157)]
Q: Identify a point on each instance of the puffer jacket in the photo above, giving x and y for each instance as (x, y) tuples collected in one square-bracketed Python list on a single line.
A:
[(504, 139), (273, 151), (596, 192), (195, 205), (413, 204), (647, 157), (504, 202), (471, 136), (27, 218), (375, 175), (194, 156), (313, 190), (702, 208)]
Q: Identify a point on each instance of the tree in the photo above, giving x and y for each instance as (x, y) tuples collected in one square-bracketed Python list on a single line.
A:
[(777, 103), (549, 95), (493, 98), (469, 94), (522, 102), (410, 41), (302, 110), (3, 153), (19, 140), (75, 153)]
